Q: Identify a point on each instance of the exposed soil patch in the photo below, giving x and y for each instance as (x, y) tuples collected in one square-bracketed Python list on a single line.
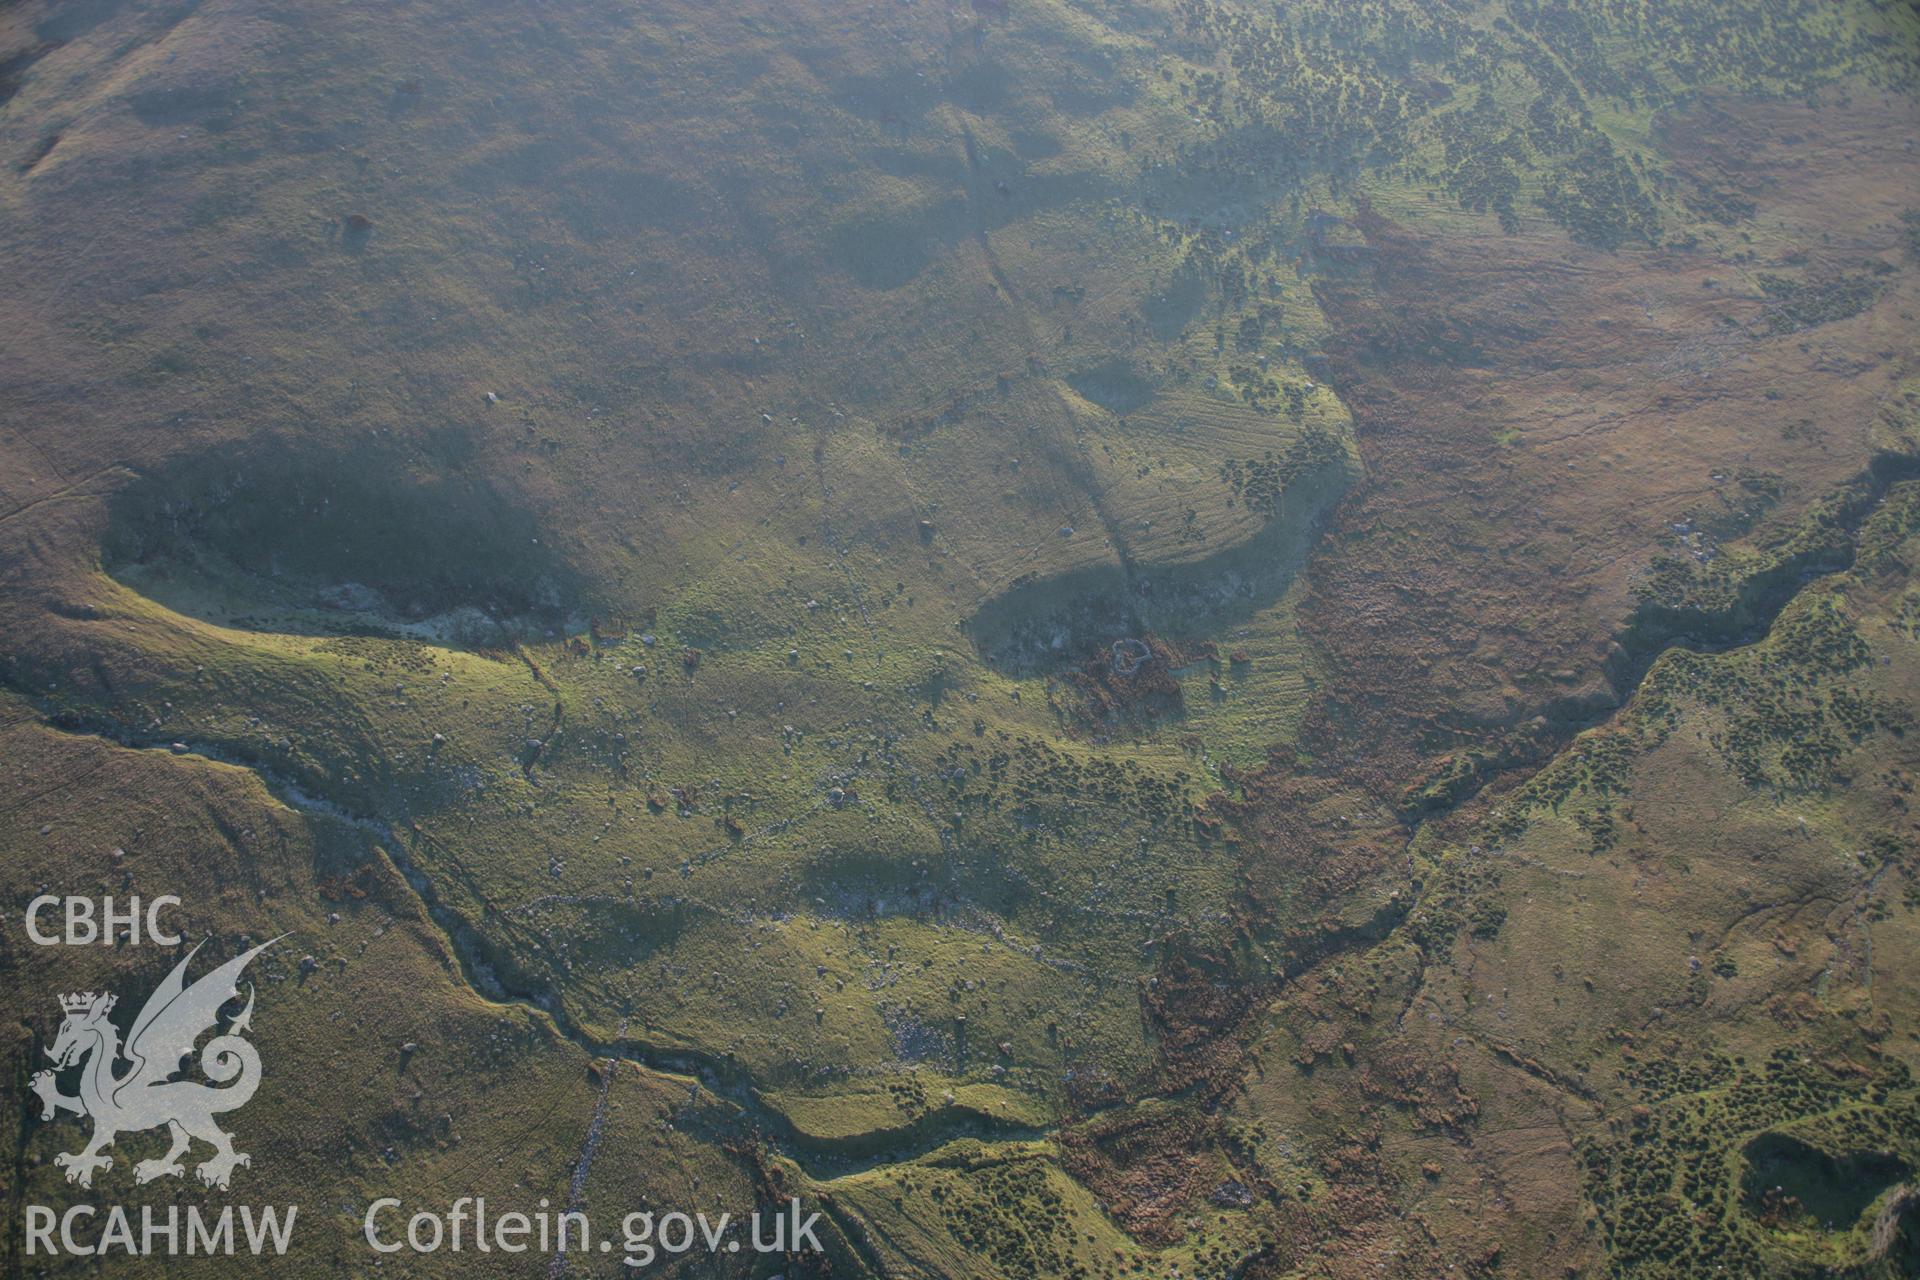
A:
[(1150, 1168), (1133, 679)]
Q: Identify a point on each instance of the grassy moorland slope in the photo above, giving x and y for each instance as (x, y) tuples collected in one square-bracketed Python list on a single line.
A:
[(1114, 638)]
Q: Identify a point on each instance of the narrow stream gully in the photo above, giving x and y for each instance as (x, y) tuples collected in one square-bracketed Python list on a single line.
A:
[(819, 1158), (1651, 630)]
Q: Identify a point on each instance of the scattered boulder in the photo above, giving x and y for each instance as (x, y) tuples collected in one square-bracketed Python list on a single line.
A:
[(1233, 1194)]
